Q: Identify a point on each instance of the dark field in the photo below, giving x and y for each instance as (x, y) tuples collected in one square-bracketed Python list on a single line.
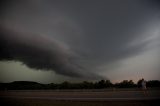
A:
[(80, 98), (44, 102)]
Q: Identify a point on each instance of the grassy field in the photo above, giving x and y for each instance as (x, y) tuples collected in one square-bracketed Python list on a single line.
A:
[(39, 102)]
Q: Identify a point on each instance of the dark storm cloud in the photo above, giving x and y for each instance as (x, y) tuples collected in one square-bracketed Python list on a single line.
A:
[(110, 26), (79, 35), (39, 52)]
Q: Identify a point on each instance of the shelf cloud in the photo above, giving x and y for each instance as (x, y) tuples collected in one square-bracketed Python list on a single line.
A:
[(77, 38)]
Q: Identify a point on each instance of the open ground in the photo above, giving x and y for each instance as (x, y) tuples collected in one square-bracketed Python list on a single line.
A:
[(80, 98)]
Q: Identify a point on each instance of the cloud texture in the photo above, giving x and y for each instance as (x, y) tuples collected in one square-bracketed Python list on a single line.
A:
[(39, 52), (76, 38)]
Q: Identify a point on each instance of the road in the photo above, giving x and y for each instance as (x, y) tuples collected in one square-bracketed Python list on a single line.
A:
[(83, 96)]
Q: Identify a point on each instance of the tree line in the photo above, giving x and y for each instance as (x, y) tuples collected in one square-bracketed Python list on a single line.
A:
[(102, 84)]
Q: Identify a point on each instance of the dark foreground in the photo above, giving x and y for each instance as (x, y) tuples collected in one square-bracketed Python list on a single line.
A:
[(45, 102), (79, 98)]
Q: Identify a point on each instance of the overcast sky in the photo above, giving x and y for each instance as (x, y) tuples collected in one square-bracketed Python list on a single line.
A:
[(75, 40)]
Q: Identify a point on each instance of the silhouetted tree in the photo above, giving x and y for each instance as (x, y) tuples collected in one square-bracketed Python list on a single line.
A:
[(100, 84), (125, 84), (153, 83), (108, 83), (29, 85), (65, 85), (87, 85), (139, 83)]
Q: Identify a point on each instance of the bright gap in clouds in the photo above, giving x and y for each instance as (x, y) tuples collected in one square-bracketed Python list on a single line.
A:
[(145, 66), (16, 71)]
